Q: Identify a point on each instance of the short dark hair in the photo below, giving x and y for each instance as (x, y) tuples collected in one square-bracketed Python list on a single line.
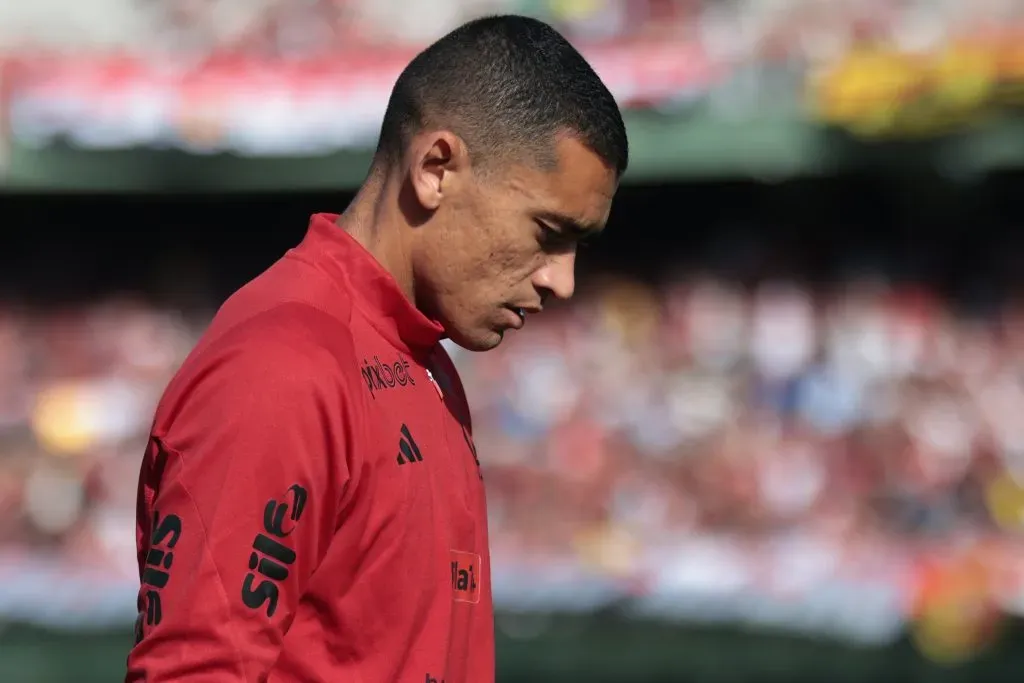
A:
[(507, 85)]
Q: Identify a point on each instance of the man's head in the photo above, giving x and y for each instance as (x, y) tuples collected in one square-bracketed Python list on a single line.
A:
[(507, 149)]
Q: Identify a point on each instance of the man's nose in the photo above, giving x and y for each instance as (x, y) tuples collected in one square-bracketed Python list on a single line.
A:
[(557, 276)]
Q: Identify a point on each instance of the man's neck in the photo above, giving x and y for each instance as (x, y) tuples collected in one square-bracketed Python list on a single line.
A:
[(373, 220)]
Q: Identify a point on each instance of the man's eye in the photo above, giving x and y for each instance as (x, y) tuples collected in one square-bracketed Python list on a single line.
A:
[(551, 238)]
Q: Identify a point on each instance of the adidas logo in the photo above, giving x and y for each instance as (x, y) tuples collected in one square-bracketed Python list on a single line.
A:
[(408, 451)]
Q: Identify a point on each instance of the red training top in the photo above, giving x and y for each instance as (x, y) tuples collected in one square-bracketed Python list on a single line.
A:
[(310, 507)]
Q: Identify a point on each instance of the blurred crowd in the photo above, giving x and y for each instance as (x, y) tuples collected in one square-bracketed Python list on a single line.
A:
[(77, 395), (865, 412), (863, 422), (727, 28), (867, 422), (291, 76)]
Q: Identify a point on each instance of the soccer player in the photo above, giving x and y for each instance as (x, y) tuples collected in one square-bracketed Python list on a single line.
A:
[(310, 507)]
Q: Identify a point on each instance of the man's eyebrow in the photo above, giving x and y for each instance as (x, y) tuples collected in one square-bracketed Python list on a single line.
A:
[(570, 226)]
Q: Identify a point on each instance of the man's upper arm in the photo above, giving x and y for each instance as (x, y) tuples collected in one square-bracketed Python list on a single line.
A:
[(238, 499)]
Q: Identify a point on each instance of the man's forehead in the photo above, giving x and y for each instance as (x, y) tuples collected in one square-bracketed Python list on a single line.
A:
[(576, 194)]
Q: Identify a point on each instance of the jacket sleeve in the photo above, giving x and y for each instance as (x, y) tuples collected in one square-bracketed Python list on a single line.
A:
[(238, 500)]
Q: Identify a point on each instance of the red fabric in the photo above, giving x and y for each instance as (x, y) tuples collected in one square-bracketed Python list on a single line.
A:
[(310, 507)]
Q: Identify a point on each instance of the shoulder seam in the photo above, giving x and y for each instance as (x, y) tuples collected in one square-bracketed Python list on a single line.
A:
[(278, 304)]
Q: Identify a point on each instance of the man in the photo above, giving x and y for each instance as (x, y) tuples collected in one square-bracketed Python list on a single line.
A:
[(311, 507)]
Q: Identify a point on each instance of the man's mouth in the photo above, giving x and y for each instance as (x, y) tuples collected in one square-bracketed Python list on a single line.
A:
[(516, 317)]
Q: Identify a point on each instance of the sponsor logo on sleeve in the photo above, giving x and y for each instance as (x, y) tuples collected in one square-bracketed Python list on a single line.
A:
[(156, 572), (271, 556)]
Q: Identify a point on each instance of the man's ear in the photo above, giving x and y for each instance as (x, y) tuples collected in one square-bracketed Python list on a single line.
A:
[(437, 160)]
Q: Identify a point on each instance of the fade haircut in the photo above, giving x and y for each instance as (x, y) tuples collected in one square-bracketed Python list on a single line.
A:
[(507, 86)]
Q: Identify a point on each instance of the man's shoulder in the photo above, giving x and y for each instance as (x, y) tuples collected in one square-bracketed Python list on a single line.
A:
[(297, 330), (285, 343), (289, 354), (290, 305)]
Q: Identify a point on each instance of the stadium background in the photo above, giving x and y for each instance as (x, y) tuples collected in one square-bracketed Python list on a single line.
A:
[(777, 434)]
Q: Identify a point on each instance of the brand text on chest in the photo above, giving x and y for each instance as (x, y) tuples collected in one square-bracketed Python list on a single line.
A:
[(380, 376)]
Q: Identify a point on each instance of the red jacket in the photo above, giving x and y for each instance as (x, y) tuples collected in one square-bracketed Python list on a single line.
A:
[(310, 507)]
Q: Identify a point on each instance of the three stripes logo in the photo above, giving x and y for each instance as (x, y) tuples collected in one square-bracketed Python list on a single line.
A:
[(408, 451)]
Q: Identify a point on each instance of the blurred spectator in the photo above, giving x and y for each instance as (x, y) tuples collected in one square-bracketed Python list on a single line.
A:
[(729, 29)]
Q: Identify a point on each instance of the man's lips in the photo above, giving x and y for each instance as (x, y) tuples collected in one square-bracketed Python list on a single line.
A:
[(517, 317), (517, 314)]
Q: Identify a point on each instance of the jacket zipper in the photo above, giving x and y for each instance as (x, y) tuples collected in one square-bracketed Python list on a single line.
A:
[(430, 376)]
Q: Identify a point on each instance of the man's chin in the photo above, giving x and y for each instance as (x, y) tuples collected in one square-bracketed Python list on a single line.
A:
[(482, 340)]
